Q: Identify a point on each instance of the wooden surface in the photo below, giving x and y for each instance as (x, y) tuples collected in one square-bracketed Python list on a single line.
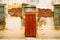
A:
[(30, 24)]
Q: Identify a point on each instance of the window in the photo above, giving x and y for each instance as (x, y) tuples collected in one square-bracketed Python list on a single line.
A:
[(57, 15), (30, 9)]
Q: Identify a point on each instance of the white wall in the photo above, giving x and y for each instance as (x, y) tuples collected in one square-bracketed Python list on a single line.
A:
[(56, 1), (45, 4), (15, 1), (12, 1), (40, 4)]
